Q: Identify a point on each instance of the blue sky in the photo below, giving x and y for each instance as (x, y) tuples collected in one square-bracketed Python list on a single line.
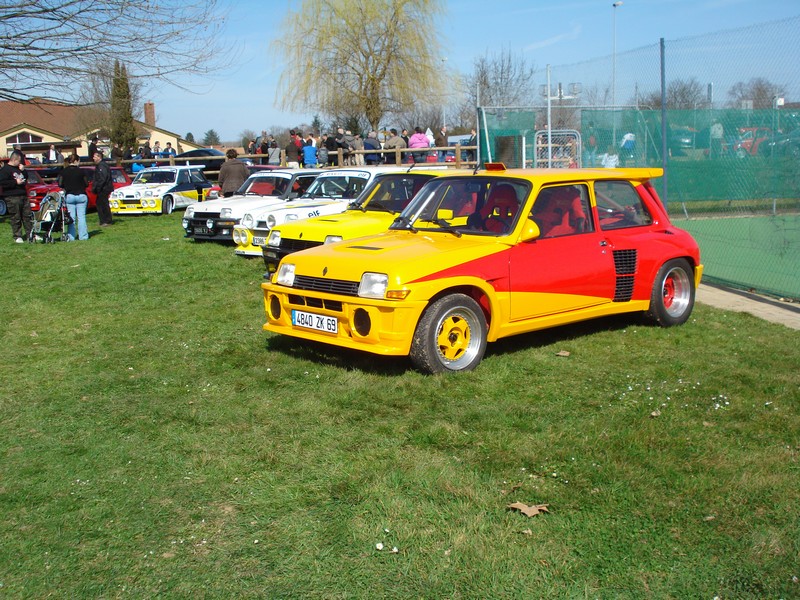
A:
[(555, 32)]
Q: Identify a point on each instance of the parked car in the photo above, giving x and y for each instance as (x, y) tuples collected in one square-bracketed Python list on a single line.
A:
[(159, 190), (210, 159), (373, 212), (216, 219), (750, 140), (782, 144), (479, 257), (118, 175), (330, 193)]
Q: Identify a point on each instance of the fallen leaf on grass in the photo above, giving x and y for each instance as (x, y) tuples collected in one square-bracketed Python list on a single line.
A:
[(655, 413), (562, 353), (529, 511)]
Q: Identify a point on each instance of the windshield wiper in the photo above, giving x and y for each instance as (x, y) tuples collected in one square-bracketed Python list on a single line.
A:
[(376, 205), (447, 227)]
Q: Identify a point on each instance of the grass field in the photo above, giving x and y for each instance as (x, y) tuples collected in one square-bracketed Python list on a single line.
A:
[(750, 252), (157, 443)]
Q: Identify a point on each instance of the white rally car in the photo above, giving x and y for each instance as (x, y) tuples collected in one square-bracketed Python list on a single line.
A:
[(331, 193), (159, 190), (215, 220)]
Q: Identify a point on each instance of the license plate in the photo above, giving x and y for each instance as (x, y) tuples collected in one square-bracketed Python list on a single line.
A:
[(259, 241), (317, 322), (202, 230)]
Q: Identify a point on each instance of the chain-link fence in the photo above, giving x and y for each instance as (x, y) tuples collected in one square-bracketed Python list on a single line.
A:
[(729, 141)]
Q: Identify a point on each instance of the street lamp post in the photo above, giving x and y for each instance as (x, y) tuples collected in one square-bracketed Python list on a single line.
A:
[(615, 5), (444, 104), (547, 92)]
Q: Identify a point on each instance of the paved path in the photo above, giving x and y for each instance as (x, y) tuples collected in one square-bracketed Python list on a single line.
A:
[(785, 313)]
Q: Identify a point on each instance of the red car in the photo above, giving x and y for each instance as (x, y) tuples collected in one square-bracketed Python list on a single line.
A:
[(118, 174), (750, 139)]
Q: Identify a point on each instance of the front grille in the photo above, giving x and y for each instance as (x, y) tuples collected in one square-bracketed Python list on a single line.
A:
[(204, 216), (332, 305), (130, 202), (290, 245), (319, 284)]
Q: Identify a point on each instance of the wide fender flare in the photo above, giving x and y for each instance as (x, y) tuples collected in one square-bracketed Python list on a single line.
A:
[(482, 291)]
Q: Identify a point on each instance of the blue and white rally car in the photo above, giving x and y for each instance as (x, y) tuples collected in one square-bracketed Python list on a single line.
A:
[(159, 190)]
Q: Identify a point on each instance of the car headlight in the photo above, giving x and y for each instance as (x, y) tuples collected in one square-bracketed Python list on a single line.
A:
[(189, 213), (137, 195), (151, 203), (271, 222), (285, 275), (210, 223), (185, 223), (274, 238), (148, 193), (225, 213), (332, 239), (237, 236), (32, 194), (373, 285), (248, 221), (115, 204)]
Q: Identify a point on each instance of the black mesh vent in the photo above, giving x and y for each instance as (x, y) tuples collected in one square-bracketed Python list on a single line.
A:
[(625, 262), (319, 284), (332, 305), (624, 289)]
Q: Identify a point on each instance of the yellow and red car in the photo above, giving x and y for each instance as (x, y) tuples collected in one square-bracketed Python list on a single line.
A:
[(475, 258), (374, 210)]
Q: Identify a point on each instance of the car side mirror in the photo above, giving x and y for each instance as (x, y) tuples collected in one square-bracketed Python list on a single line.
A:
[(293, 195), (531, 231)]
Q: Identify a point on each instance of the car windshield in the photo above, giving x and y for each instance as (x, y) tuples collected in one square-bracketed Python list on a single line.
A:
[(470, 204), (155, 177), (392, 192), (337, 186), (265, 186), (34, 177)]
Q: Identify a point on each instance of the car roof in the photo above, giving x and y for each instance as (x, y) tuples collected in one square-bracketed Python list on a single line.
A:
[(544, 176)]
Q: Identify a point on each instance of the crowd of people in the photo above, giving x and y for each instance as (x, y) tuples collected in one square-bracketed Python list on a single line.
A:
[(324, 150)]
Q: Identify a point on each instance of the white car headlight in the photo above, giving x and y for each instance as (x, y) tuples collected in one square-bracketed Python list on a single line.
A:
[(189, 212), (332, 239), (225, 213), (152, 203), (248, 221), (210, 223), (185, 223), (285, 275), (271, 222), (236, 236), (148, 193), (373, 285), (137, 195), (274, 238), (115, 204)]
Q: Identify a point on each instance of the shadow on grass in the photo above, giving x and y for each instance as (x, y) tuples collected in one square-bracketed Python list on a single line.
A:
[(356, 360)]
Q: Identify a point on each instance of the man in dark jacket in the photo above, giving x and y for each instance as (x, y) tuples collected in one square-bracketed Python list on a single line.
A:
[(102, 186), (12, 188)]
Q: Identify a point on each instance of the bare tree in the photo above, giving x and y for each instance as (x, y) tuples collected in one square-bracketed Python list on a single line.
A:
[(370, 56), (503, 79), (758, 90), (50, 46), (682, 94)]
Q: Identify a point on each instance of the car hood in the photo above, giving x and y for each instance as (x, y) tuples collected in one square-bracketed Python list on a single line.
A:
[(403, 255), (239, 205), (347, 224)]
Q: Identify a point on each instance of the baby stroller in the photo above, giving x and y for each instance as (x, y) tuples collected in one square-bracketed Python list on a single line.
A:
[(52, 217)]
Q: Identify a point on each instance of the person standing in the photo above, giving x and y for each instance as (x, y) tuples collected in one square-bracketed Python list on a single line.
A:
[(73, 182), (12, 187), (102, 186), (371, 143), (232, 174), (395, 142), (292, 155), (440, 141), (117, 155), (309, 153), (92, 147), (472, 141), (404, 136), (168, 151), (717, 133), (332, 147), (273, 154)]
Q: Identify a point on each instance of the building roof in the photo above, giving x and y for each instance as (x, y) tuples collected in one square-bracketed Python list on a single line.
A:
[(58, 118)]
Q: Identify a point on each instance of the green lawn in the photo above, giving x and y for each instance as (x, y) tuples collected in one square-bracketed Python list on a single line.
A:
[(157, 443)]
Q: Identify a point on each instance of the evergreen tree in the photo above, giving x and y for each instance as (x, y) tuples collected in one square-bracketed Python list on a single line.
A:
[(211, 138), (123, 131), (189, 137)]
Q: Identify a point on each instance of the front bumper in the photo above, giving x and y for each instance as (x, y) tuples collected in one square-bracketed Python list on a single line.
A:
[(220, 230), (143, 206), (249, 241), (383, 327)]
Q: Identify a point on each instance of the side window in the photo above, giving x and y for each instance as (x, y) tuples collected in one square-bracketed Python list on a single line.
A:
[(563, 210), (304, 182), (183, 177), (619, 206)]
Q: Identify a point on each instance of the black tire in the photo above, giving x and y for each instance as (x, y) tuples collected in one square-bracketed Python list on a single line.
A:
[(672, 299), (167, 205), (450, 336), (3, 207)]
